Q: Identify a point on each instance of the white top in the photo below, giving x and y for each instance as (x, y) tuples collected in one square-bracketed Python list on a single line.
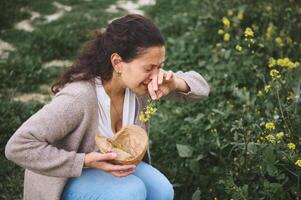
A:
[(104, 116)]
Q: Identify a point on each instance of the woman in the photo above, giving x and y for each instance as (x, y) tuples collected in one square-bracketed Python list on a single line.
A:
[(105, 89)]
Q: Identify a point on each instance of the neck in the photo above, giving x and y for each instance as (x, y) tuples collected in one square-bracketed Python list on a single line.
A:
[(114, 87)]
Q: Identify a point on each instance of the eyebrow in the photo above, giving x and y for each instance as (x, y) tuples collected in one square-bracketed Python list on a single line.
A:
[(156, 65)]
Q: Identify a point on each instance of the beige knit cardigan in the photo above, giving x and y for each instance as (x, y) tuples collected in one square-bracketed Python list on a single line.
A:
[(52, 143)]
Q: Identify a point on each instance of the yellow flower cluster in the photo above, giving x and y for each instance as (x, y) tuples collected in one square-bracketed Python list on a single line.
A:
[(227, 37), (267, 88), (230, 12), (144, 116), (270, 126), (226, 22), (279, 135), (282, 62), (270, 31), (279, 41), (238, 48), (240, 15), (298, 163), (275, 74), (221, 31), (291, 146), (270, 138), (249, 32)]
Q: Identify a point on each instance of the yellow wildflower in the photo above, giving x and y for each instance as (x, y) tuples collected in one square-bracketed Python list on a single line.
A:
[(238, 47), (220, 31), (267, 88), (230, 12), (279, 41), (226, 22), (272, 62), (289, 40), (291, 146), (275, 74), (240, 16), (270, 31), (270, 126), (286, 62), (227, 37), (279, 135), (290, 96), (259, 94), (270, 138), (218, 44), (144, 116), (249, 32), (298, 163)]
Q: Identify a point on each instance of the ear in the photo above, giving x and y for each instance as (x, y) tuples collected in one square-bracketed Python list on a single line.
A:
[(116, 61)]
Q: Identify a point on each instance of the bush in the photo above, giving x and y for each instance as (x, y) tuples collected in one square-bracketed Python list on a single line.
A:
[(235, 144)]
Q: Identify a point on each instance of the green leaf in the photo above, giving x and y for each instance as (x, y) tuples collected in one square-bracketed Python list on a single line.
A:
[(196, 195), (268, 155), (184, 151)]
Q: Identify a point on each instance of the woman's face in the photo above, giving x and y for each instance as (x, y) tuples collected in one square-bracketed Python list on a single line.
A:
[(138, 73)]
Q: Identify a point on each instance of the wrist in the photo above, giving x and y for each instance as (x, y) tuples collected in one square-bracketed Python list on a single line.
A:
[(181, 85)]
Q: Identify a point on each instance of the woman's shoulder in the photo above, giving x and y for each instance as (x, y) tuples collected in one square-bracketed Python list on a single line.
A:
[(78, 89)]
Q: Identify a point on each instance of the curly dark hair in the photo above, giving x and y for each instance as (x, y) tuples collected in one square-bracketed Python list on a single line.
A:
[(127, 36)]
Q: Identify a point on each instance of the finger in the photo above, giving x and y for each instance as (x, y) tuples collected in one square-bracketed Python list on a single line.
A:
[(111, 167), (105, 156), (160, 94), (155, 81), (169, 75), (121, 174), (160, 77), (151, 91)]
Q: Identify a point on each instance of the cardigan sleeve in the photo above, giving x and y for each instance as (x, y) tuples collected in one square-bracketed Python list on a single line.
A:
[(31, 145), (199, 88)]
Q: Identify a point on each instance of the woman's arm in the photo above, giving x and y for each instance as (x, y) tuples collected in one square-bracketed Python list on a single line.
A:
[(180, 86), (30, 146), (192, 87)]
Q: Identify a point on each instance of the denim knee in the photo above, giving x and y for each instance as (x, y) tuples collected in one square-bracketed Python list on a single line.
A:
[(134, 190), (166, 192)]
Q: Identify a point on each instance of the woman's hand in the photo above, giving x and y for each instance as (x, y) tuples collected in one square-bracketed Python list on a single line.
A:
[(163, 82), (99, 161)]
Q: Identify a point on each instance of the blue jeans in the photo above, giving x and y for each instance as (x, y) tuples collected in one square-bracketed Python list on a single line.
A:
[(145, 183)]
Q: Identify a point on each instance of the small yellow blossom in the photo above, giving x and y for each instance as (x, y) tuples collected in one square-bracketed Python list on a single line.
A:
[(267, 88), (290, 96), (227, 37), (270, 138), (289, 40), (240, 16), (270, 126), (275, 74), (230, 13), (279, 41), (279, 135), (249, 32), (238, 48), (291, 146), (220, 31), (144, 116), (226, 22), (272, 62), (298, 163), (259, 94), (218, 44), (269, 31)]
